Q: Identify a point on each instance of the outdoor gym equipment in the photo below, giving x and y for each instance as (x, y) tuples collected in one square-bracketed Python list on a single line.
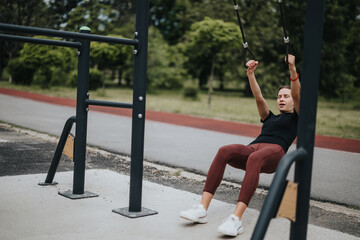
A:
[(245, 43), (303, 155), (82, 43), (286, 36)]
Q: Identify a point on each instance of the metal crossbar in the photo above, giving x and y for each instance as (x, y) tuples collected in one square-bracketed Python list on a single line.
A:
[(65, 34), (109, 104), (41, 41)]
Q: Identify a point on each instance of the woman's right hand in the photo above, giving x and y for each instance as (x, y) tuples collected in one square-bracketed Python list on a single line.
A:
[(252, 65)]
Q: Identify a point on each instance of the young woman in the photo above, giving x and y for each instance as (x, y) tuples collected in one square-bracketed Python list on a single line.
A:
[(261, 156)]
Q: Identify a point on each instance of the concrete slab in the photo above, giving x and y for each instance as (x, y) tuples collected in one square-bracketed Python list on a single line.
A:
[(29, 211)]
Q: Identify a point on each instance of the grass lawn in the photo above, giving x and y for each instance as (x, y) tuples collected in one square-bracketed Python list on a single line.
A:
[(333, 117)]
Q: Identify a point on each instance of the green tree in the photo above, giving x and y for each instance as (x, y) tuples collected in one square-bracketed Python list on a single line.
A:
[(58, 12), (42, 58), (164, 63), (105, 56), (21, 12), (171, 18), (125, 12), (210, 38), (98, 15), (340, 47)]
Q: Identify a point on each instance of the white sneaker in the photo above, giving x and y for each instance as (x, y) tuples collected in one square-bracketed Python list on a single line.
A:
[(196, 214), (231, 226)]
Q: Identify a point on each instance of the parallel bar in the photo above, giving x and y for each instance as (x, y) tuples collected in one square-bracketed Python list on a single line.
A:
[(308, 107), (41, 41), (64, 34), (109, 104), (273, 199)]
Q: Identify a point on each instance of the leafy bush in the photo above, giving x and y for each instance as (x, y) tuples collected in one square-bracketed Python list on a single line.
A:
[(42, 77), (42, 62), (72, 80), (20, 72), (164, 64), (94, 79), (59, 76), (191, 93)]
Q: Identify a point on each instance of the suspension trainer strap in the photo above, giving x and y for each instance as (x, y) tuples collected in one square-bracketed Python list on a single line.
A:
[(245, 44), (286, 36)]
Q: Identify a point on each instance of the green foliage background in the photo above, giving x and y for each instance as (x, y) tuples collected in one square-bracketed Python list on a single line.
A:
[(178, 53)]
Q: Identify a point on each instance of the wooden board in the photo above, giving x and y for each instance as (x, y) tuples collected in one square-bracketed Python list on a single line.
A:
[(69, 147), (287, 207)]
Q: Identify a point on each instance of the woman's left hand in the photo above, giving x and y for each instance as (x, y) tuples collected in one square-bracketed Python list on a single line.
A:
[(291, 59)]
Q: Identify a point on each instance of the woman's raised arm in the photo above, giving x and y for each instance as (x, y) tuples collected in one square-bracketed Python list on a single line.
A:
[(256, 91), (295, 83)]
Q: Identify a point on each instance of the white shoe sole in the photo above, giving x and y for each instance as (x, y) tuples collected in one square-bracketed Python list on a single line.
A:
[(223, 231), (200, 220)]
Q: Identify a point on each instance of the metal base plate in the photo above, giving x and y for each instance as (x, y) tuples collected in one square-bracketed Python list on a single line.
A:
[(144, 212), (86, 194), (47, 184)]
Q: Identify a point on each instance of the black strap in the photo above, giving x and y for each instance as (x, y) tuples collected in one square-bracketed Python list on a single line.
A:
[(245, 44), (286, 36)]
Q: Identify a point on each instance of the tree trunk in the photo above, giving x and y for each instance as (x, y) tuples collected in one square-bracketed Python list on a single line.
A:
[(211, 80), (1, 69), (103, 81), (221, 78)]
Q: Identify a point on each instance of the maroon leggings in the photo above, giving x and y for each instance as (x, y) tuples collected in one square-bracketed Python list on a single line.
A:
[(254, 159)]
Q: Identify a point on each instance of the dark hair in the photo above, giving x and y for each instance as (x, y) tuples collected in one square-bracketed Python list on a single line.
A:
[(284, 86)]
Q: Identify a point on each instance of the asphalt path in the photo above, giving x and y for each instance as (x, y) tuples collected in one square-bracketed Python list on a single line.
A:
[(336, 175)]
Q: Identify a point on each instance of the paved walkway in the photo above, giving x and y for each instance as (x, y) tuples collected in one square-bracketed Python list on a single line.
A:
[(335, 173), (242, 129), (29, 211)]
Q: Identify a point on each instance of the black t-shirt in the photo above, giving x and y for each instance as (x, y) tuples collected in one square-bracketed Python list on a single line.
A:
[(279, 129)]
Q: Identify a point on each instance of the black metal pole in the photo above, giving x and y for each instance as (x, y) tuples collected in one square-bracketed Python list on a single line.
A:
[(308, 106), (60, 147), (276, 192), (108, 104), (81, 114), (138, 115), (58, 152)]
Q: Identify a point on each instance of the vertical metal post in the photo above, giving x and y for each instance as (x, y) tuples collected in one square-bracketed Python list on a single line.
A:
[(81, 121), (81, 115), (138, 115), (308, 106)]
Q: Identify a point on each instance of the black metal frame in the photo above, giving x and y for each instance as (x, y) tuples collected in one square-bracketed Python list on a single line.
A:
[(286, 36), (303, 156), (140, 43), (245, 43)]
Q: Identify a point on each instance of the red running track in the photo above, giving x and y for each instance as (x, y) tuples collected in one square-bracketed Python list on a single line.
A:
[(242, 129)]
